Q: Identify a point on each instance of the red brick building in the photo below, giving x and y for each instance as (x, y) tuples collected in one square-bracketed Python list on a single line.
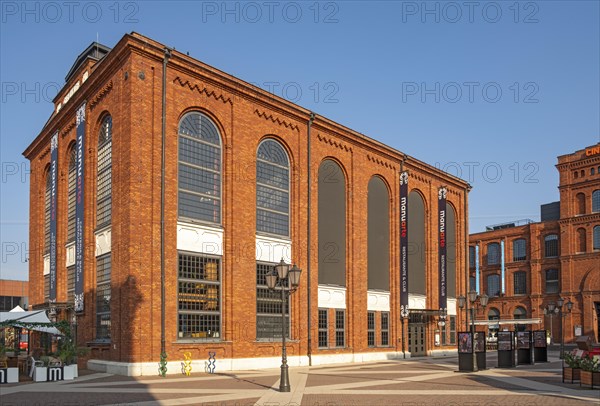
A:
[(525, 266), (249, 178)]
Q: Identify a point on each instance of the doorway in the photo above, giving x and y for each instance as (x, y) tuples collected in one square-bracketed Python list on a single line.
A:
[(417, 334)]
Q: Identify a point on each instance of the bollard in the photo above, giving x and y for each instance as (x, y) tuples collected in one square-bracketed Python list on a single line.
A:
[(187, 363), (211, 362)]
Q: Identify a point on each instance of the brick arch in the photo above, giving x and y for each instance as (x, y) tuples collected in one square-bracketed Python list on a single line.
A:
[(591, 280)]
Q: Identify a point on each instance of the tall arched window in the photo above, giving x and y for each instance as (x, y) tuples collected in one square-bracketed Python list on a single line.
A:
[(199, 169), (596, 201), (580, 203), (493, 285), (519, 250), (47, 211), (451, 250), (272, 189), (378, 235), (552, 283), (493, 253), (416, 243), (71, 192), (551, 246), (104, 184), (581, 240), (596, 237), (332, 224)]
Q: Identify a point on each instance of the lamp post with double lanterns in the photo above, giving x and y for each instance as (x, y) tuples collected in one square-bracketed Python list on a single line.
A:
[(483, 299), (285, 279), (559, 305), (551, 310)]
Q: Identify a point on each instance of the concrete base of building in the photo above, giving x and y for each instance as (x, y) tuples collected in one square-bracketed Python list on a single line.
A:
[(237, 364)]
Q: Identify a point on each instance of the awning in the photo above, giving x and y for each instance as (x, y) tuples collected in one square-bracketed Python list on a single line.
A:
[(23, 320), (491, 323)]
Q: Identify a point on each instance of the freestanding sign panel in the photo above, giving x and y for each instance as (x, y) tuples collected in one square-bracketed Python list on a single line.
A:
[(465, 351), (540, 350), (442, 285), (79, 209), (506, 351), (480, 350), (524, 348), (53, 195), (404, 244)]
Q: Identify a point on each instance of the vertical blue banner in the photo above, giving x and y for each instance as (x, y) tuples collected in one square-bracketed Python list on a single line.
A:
[(53, 180), (442, 283), (503, 276), (477, 284), (79, 209), (404, 244)]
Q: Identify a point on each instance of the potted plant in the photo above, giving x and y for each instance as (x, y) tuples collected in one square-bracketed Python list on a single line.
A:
[(572, 370), (68, 353), (590, 371), (7, 375)]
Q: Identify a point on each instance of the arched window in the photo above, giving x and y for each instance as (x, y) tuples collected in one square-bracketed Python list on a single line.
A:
[(104, 177), (493, 314), (576, 174), (596, 201), (552, 285), (416, 243), (332, 224), (582, 173), (493, 285), (592, 171), (472, 283), (580, 203), (378, 234), (596, 237), (551, 246), (199, 169), (47, 211), (581, 240), (272, 189), (520, 283), (493, 253), (519, 314), (71, 192), (519, 250)]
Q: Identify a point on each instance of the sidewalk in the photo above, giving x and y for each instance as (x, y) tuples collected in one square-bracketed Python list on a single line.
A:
[(418, 381)]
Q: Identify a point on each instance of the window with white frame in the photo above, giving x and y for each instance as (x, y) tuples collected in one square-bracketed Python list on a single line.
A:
[(199, 297), (323, 329), (371, 329), (269, 306), (340, 328)]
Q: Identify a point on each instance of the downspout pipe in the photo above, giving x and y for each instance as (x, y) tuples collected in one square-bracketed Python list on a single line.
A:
[(308, 248), (167, 55), (467, 258)]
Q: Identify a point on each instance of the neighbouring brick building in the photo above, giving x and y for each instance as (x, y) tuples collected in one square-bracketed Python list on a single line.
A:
[(238, 163), (13, 293), (524, 266)]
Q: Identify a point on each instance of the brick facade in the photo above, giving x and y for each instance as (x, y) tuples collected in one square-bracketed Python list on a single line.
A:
[(577, 260), (127, 83)]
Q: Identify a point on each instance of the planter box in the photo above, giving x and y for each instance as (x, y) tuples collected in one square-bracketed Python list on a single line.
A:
[(590, 378), (9, 375), (70, 372), (571, 374), (49, 373), (40, 374)]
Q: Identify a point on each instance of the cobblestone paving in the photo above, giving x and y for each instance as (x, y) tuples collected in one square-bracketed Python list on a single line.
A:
[(410, 382)]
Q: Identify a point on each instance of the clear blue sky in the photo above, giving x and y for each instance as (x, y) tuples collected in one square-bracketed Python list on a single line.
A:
[(422, 77)]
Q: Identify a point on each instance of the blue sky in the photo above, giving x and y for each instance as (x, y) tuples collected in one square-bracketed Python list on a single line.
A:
[(490, 91)]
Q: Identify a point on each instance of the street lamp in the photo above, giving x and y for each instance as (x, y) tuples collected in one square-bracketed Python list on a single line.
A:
[(404, 313), (551, 310), (287, 280), (483, 299), (559, 304)]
